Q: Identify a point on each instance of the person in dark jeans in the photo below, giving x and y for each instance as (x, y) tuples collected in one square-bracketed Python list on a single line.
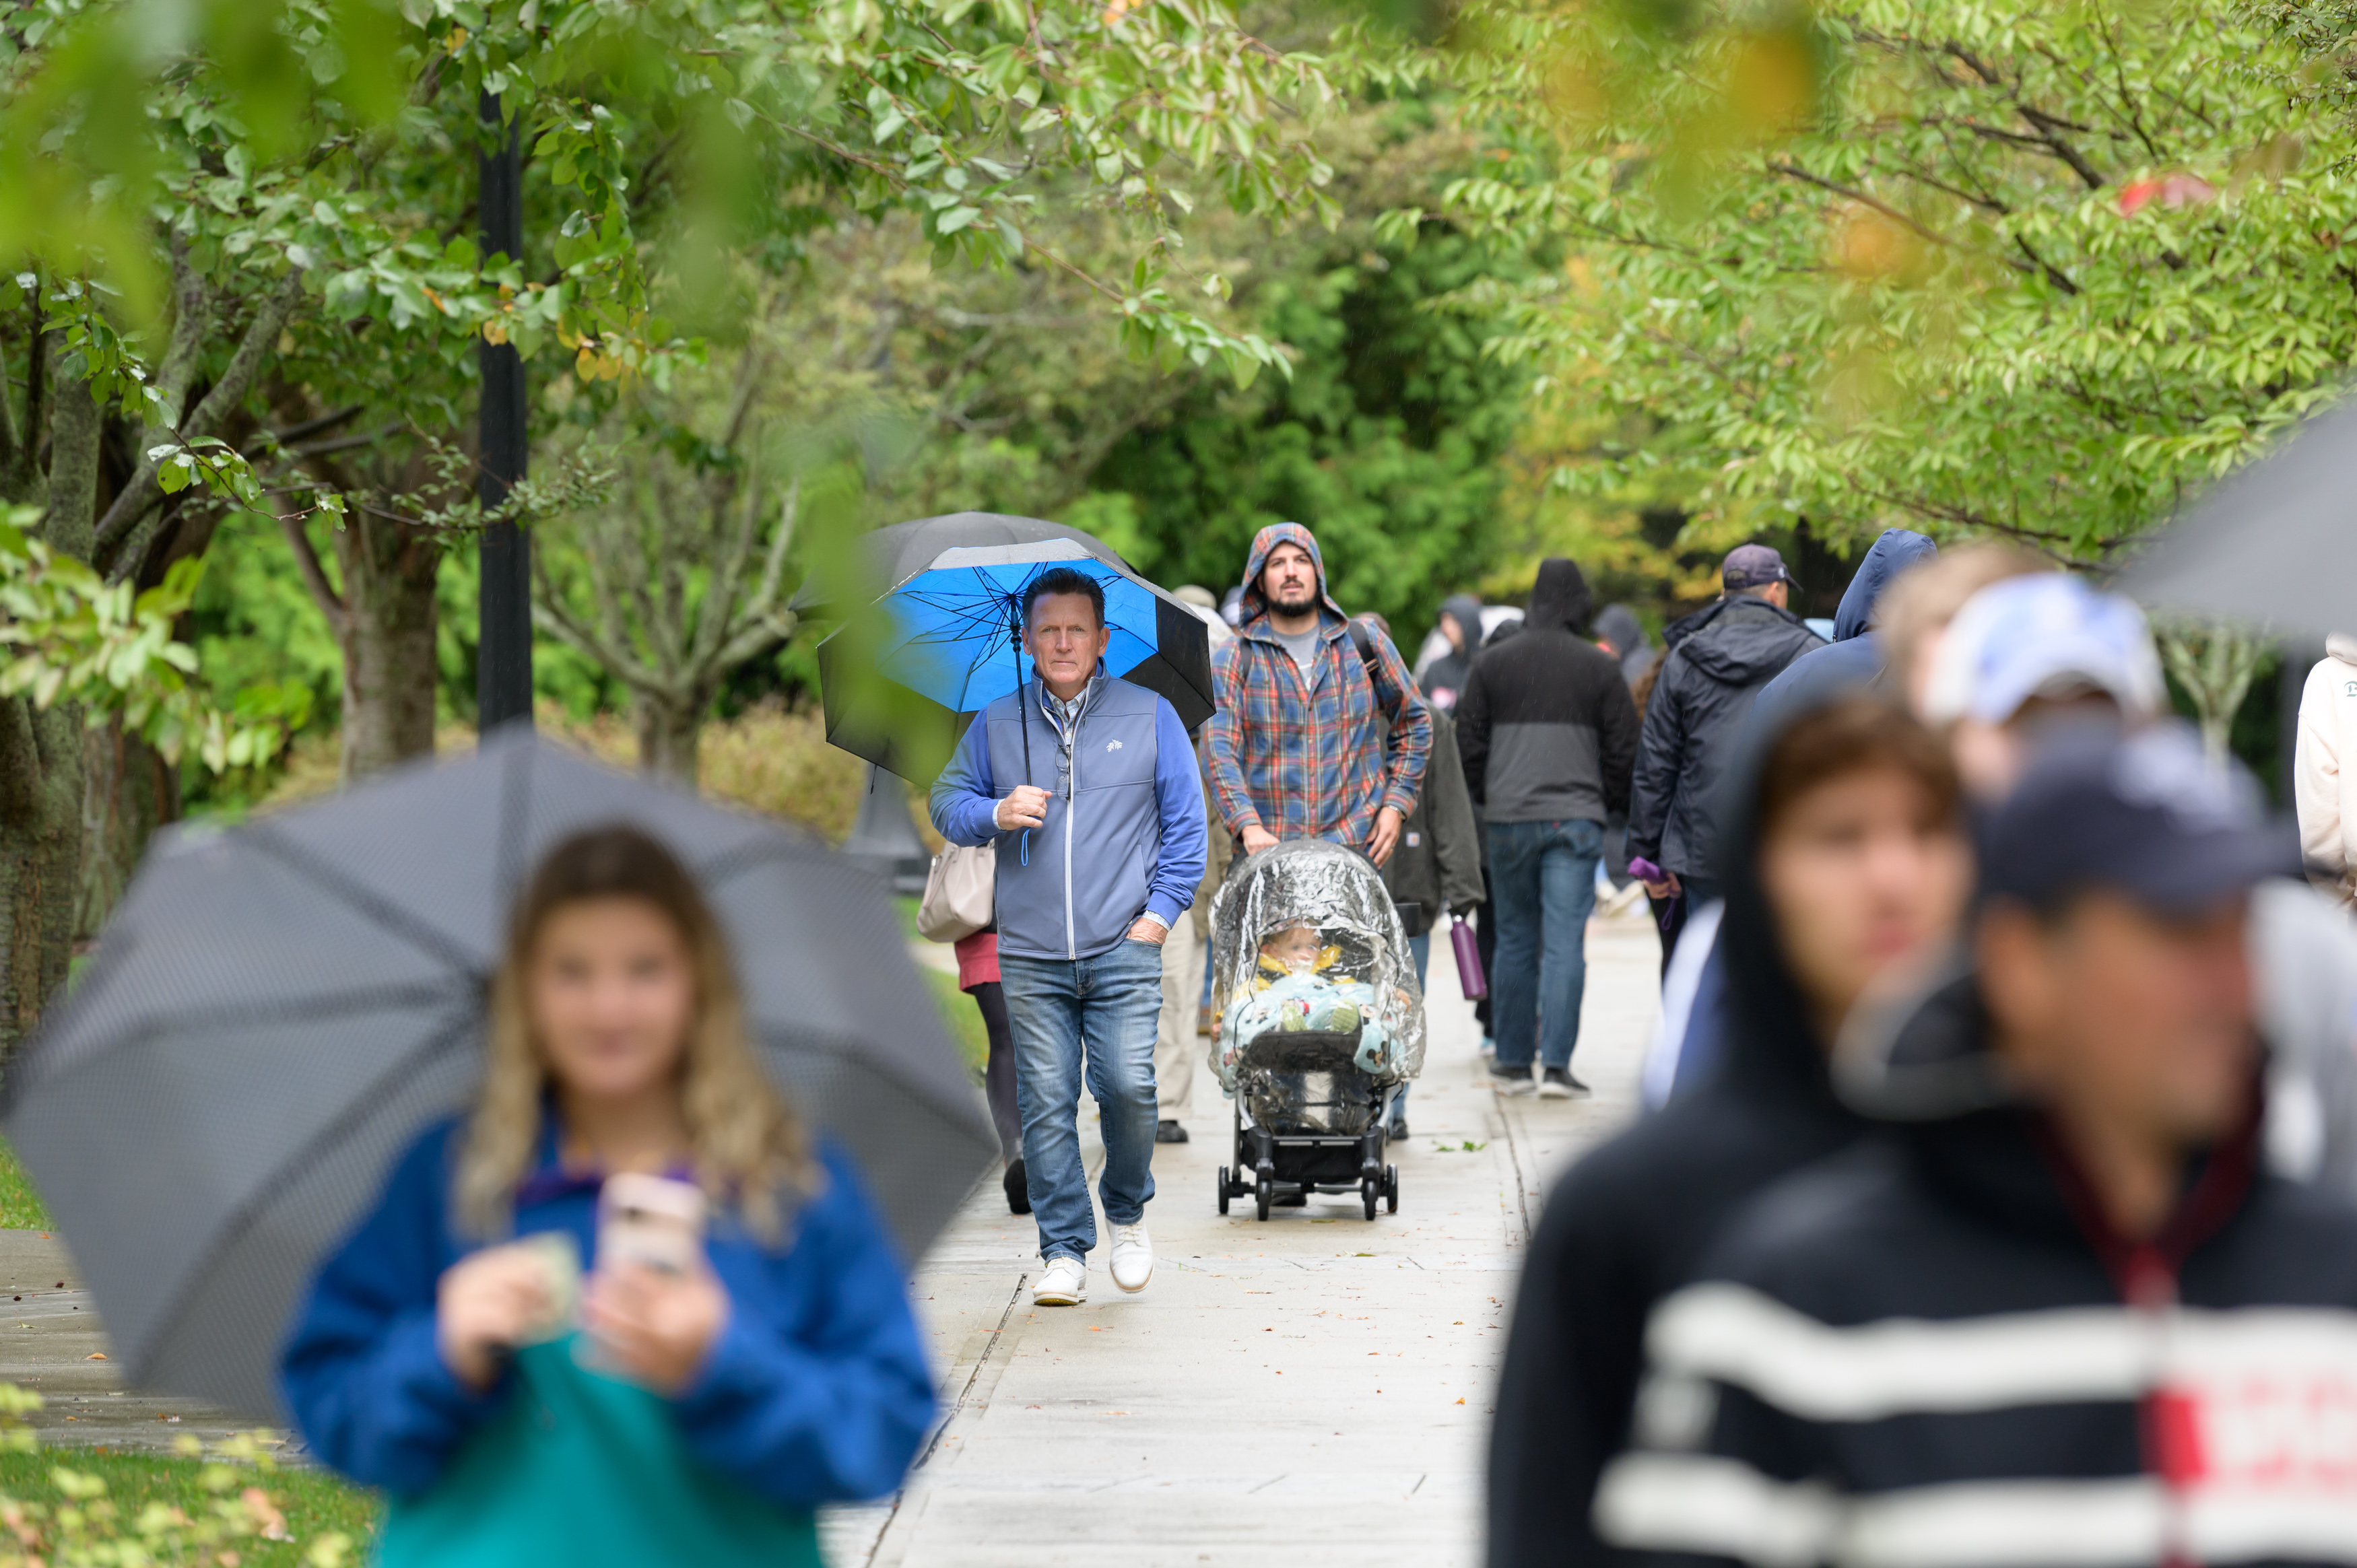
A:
[(1548, 735), (1439, 865), (977, 962)]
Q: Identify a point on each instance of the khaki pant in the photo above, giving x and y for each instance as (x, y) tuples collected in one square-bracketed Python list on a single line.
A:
[(1176, 1047)]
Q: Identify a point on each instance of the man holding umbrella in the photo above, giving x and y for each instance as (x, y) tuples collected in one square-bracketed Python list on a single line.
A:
[(1087, 785)]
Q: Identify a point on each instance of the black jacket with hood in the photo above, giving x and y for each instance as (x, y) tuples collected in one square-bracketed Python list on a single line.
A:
[(1630, 1223), (1444, 678), (1935, 1349), (1545, 724), (1719, 658)]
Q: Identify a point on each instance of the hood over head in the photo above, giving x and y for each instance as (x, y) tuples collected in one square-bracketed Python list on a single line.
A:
[(1560, 598), (1466, 611), (1618, 625), (1254, 604), (1771, 1047), (1897, 550)]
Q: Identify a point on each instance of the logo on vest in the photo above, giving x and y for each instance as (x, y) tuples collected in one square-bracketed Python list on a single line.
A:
[(1113, 746)]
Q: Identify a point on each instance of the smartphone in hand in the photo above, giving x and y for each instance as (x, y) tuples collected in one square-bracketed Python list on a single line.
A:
[(651, 1221)]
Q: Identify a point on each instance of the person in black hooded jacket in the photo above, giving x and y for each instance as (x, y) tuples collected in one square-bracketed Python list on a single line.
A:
[(1719, 658), (1848, 856), (2062, 1314), (1548, 733)]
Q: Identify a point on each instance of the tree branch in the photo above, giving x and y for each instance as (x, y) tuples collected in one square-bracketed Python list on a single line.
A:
[(76, 426), (1793, 171), (2054, 275), (260, 336), (315, 577), (192, 319), (548, 612)]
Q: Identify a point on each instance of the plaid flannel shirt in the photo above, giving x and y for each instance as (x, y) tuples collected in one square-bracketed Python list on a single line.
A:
[(1310, 760)]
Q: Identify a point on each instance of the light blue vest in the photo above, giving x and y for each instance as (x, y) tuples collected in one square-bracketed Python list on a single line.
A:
[(1082, 879)]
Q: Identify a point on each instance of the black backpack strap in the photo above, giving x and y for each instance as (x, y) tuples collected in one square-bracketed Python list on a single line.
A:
[(1365, 642)]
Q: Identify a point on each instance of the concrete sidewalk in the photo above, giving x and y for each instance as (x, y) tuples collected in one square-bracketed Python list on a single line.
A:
[(1315, 1388)]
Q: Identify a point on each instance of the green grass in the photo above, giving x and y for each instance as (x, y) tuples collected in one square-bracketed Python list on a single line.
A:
[(313, 1500), (21, 1208)]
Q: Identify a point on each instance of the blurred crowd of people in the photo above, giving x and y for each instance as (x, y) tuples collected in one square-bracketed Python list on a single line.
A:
[(1995, 1204)]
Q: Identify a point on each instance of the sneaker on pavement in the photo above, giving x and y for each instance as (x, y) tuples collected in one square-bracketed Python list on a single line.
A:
[(1169, 1133), (1489, 1047), (1065, 1282), (1398, 1131), (1018, 1189), (1133, 1257), (1510, 1079), (1556, 1083)]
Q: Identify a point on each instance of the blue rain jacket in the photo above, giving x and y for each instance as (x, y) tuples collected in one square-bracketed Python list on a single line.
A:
[(816, 1391), (1853, 658)]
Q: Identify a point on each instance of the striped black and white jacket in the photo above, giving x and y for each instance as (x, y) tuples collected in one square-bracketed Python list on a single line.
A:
[(1931, 1353)]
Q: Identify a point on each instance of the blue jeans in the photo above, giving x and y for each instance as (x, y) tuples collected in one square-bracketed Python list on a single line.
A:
[(1097, 1015), (1543, 887)]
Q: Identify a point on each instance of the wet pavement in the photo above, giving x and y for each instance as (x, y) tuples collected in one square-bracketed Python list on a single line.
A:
[(1317, 1387)]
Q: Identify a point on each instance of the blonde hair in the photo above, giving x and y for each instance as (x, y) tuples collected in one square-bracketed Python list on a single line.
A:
[(1925, 598), (747, 1146)]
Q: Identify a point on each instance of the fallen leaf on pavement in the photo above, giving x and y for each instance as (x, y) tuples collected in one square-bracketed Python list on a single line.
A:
[(95, 1356)]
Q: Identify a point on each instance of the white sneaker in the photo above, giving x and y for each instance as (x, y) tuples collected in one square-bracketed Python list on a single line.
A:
[(1065, 1282), (1133, 1257)]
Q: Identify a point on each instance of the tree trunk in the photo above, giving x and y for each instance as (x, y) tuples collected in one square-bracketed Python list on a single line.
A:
[(667, 735), (2214, 663), (128, 791), (41, 754), (40, 860), (387, 633)]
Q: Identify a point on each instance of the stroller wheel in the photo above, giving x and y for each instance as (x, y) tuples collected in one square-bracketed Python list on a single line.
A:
[(1224, 1189), (1367, 1194), (1261, 1192), (1391, 1189)]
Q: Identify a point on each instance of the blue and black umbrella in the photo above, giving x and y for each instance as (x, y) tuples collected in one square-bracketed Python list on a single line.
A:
[(951, 636)]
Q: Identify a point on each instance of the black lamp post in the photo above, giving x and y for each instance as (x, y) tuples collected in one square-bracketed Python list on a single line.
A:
[(504, 650)]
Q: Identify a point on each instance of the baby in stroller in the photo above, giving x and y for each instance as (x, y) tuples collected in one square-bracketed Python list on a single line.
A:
[(1295, 991), (1320, 1023)]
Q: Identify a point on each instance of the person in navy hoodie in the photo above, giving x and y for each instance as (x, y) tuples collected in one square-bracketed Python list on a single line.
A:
[(697, 1415)]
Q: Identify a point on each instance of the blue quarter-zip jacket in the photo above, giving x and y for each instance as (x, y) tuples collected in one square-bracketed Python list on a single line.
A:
[(1124, 835), (815, 1391)]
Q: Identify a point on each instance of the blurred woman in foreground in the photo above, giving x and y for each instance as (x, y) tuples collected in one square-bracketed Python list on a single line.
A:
[(691, 1410), (1846, 861)]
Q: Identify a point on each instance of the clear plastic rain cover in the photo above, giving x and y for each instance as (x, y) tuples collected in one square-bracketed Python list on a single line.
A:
[(1305, 938)]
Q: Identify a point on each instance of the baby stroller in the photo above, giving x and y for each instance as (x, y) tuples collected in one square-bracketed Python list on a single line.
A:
[(1320, 1021)]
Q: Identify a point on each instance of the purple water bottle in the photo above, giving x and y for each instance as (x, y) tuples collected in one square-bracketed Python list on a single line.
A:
[(1469, 960)]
